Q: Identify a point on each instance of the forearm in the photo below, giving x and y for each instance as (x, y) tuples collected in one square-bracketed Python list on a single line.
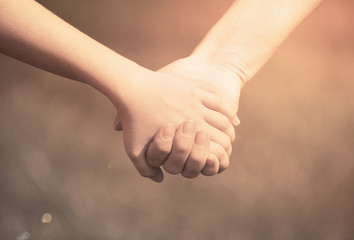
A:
[(249, 33), (32, 34)]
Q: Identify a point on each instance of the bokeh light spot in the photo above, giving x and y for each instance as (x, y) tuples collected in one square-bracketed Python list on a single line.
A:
[(47, 218), (24, 236)]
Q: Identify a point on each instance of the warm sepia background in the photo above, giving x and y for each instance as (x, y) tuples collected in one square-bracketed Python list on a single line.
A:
[(292, 171)]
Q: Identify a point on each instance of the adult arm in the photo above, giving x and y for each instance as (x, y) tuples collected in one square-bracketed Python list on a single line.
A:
[(249, 33), (239, 45)]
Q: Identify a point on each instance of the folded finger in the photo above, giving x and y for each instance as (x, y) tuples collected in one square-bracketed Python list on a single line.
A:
[(198, 156), (161, 145), (212, 165), (181, 147)]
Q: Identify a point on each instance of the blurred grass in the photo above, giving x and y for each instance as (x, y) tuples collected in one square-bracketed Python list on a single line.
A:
[(292, 168)]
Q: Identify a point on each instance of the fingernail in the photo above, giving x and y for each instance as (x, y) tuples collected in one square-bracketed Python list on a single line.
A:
[(188, 128), (168, 132), (201, 139), (236, 121), (158, 178)]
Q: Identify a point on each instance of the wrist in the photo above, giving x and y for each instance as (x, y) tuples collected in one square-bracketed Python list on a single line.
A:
[(115, 76), (229, 64)]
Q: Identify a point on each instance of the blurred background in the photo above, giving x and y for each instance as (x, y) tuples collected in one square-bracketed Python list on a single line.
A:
[(64, 173)]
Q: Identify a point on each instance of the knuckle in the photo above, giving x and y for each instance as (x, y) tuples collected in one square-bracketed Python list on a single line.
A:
[(172, 168), (181, 149)]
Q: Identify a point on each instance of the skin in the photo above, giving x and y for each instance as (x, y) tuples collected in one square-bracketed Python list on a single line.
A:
[(231, 54), (174, 157), (194, 161), (182, 149), (185, 101), (34, 35), (178, 160), (248, 34)]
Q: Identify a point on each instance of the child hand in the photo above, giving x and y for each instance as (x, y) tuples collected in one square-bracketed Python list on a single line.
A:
[(181, 152), (157, 98)]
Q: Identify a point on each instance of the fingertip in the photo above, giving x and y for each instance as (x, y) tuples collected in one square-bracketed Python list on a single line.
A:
[(236, 121), (190, 175), (146, 170), (212, 160), (212, 165), (158, 178), (224, 164), (158, 175)]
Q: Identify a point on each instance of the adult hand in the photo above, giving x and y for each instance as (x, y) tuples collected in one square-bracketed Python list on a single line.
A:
[(156, 98), (220, 80)]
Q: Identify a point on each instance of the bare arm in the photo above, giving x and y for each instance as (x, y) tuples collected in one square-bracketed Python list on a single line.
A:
[(250, 31), (239, 45), (145, 100), (32, 34)]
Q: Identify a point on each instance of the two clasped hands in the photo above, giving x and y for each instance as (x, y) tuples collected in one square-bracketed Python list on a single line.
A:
[(181, 117)]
